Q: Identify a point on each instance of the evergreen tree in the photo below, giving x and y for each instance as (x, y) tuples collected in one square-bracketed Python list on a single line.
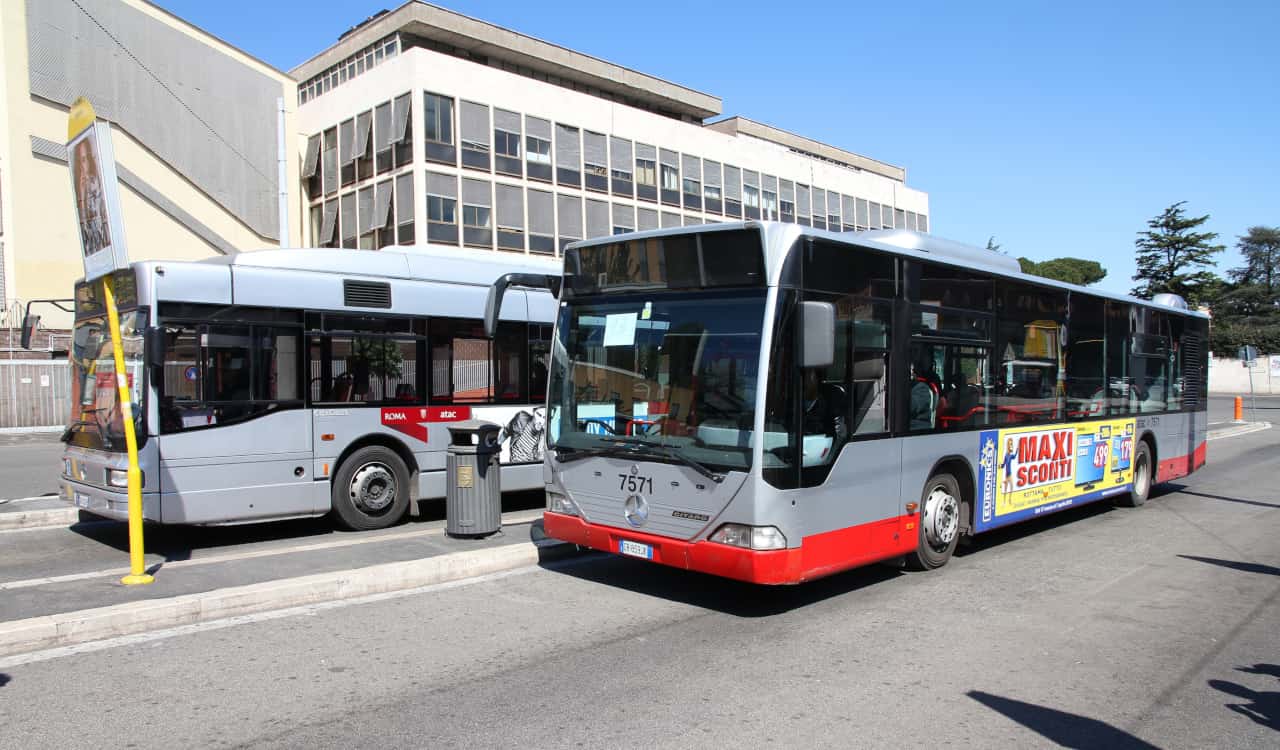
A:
[(1260, 248), (1070, 270), (1173, 257)]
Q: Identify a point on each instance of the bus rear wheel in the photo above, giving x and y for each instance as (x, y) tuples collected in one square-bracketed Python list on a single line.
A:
[(938, 523), (371, 489), (1141, 477)]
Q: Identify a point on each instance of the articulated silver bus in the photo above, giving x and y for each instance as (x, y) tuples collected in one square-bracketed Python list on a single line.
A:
[(774, 403), (289, 383)]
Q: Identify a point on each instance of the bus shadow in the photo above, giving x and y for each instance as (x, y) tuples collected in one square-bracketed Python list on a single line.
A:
[(1017, 531), (178, 543), (730, 597)]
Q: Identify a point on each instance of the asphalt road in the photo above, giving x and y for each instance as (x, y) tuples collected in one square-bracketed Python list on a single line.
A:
[(1094, 628)]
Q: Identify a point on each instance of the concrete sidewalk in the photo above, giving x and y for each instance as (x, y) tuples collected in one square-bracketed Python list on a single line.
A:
[(87, 605)]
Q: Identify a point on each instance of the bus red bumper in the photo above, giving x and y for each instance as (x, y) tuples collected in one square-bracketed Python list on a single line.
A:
[(818, 555)]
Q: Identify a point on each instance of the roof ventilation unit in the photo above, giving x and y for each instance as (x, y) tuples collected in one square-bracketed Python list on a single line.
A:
[(1170, 300), (366, 293)]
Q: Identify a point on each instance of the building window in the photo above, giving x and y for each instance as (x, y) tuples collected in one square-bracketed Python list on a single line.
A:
[(712, 199), (329, 161), (569, 215), (311, 168), (537, 149), (769, 205), (509, 204), (362, 151), (506, 143), (383, 157), (621, 166), (328, 225), (402, 129), (442, 208), (404, 209), (732, 191), (751, 201), (438, 128), (477, 202), (669, 166), (568, 156), (542, 222), (595, 161), (364, 202), (646, 174), (624, 219), (475, 135), (691, 168), (382, 220)]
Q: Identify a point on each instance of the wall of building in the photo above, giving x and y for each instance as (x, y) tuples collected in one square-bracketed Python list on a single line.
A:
[(418, 70), (1229, 375), (184, 194)]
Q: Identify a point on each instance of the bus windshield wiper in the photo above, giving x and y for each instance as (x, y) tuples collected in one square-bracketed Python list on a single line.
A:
[(644, 447)]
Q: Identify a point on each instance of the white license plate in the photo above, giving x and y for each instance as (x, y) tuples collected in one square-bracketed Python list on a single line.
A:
[(82, 500), (635, 549)]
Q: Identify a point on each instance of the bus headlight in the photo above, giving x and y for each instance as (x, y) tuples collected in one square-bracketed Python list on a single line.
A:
[(750, 537), (120, 478), (559, 503)]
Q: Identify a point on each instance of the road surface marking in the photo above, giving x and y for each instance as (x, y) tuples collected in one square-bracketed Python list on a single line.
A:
[(511, 519)]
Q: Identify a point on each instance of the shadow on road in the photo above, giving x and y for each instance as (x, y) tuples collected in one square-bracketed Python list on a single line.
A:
[(1263, 706), (1065, 729), (1034, 526), (177, 543), (722, 595), (1247, 567), (4, 679), (1241, 500)]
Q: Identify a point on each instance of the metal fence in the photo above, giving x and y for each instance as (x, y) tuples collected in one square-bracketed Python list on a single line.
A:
[(34, 393)]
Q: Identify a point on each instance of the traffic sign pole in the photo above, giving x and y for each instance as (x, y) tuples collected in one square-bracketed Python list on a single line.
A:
[(137, 561)]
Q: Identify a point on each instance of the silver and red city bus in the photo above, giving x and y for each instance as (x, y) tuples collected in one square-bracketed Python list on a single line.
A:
[(774, 403), (290, 383)]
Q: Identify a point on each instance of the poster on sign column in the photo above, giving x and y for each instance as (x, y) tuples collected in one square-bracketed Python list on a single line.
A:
[(1029, 471)]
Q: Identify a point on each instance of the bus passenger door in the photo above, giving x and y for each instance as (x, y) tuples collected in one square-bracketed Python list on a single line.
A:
[(236, 440)]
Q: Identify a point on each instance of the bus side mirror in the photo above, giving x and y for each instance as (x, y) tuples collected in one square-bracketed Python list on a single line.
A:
[(817, 334), (29, 325), (156, 342)]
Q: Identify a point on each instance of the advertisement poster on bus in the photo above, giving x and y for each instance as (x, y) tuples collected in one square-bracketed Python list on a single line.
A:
[(1029, 471)]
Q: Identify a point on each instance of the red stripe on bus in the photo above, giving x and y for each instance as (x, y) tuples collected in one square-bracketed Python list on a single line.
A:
[(818, 555), (1180, 466)]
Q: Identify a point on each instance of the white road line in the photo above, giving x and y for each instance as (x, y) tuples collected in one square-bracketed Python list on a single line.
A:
[(1247, 429), (52, 496), (513, 518), (309, 609)]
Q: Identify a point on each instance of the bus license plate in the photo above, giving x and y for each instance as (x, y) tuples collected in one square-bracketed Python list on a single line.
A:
[(82, 500), (635, 549)]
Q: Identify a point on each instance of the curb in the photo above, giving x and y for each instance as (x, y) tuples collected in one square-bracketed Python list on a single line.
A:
[(70, 628), (35, 519), (1242, 429)]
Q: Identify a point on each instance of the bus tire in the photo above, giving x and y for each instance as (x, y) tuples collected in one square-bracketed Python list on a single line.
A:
[(371, 489), (1142, 477), (938, 524)]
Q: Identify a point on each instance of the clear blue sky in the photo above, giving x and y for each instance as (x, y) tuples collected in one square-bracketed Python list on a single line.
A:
[(1059, 128)]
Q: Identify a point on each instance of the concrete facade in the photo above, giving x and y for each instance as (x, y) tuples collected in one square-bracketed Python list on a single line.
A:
[(466, 172), (178, 146)]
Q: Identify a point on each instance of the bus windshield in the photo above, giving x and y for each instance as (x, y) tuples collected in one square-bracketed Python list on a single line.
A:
[(666, 375), (95, 420)]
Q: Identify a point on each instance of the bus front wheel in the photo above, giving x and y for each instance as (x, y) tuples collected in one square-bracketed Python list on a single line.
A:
[(371, 489), (938, 523)]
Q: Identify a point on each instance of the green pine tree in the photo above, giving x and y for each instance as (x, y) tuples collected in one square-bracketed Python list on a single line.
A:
[(1260, 248), (1172, 257)]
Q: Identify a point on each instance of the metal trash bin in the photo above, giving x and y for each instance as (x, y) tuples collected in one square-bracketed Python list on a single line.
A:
[(473, 496)]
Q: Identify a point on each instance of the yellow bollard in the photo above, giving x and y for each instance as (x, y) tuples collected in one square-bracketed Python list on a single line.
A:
[(137, 563)]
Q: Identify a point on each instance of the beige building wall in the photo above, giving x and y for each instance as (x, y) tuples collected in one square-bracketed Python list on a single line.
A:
[(165, 215)]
